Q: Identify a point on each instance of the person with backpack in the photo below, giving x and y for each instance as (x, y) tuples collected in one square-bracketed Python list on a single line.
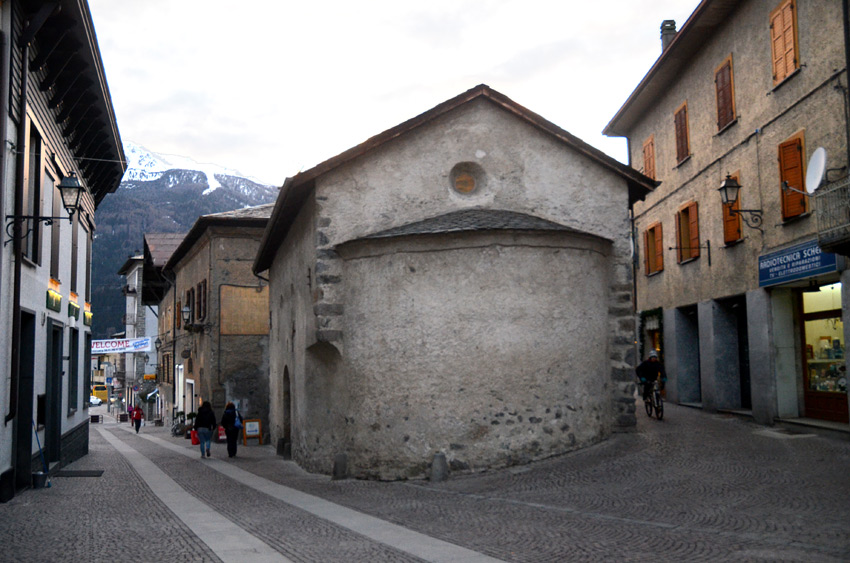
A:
[(204, 425), (232, 422)]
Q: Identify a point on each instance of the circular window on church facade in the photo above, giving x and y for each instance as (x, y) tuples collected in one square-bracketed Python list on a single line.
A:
[(466, 178)]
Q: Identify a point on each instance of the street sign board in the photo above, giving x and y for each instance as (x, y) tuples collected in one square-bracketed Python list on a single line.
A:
[(795, 263)]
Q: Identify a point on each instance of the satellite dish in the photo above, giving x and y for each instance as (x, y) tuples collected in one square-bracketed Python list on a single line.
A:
[(816, 169)]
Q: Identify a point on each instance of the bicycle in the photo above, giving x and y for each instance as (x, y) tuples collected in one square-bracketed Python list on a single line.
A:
[(654, 402), (179, 426)]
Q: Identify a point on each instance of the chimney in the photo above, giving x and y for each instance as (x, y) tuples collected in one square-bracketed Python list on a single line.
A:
[(668, 33)]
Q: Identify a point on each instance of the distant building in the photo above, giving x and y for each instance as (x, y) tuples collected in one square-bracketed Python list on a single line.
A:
[(214, 319), (460, 283), (139, 321), (57, 129), (158, 248), (747, 310)]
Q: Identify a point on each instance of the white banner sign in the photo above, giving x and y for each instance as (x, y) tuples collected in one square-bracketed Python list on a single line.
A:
[(121, 345)]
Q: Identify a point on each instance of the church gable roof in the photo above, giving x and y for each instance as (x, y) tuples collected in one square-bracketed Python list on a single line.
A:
[(296, 189)]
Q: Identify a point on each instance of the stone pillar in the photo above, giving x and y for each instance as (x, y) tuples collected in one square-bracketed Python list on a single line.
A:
[(682, 355), (785, 339), (763, 382), (719, 364)]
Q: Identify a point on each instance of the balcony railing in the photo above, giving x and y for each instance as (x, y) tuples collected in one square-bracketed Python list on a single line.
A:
[(833, 215)]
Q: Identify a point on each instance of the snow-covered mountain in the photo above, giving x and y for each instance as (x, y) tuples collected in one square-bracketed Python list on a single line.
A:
[(144, 165), (159, 194)]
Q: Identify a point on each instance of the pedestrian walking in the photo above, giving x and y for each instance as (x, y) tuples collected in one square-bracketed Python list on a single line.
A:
[(137, 417), (232, 422), (204, 425)]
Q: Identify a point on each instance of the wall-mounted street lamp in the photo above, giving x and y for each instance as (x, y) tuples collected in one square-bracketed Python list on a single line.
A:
[(729, 195), (185, 313), (71, 192), (157, 343)]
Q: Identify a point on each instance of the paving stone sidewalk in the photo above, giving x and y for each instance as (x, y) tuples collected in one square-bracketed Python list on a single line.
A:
[(695, 487)]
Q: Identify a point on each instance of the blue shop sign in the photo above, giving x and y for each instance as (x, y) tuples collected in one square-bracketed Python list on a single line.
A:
[(795, 263)]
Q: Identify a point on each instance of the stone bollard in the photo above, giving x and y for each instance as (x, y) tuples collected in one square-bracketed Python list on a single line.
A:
[(439, 468), (340, 467)]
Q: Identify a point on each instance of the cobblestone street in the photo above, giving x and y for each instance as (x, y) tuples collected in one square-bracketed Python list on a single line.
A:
[(695, 487)]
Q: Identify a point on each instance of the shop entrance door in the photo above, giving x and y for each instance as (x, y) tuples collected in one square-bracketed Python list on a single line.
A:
[(825, 377)]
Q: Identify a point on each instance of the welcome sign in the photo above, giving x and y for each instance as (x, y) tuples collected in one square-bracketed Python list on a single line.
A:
[(120, 345)]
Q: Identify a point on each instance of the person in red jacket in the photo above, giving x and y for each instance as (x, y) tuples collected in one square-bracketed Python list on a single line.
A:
[(138, 415)]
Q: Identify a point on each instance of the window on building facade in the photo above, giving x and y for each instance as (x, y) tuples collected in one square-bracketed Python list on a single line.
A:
[(87, 289), (32, 196), (732, 221), (783, 40), (653, 249), (649, 157), (201, 300), (73, 369), (190, 302), (55, 197), (687, 232), (75, 227), (725, 93), (791, 171), (683, 147)]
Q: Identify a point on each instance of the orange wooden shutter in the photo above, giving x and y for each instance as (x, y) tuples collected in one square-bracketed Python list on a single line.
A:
[(681, 121), (791, 171), (649, 157), (659, 249), (693, 230), (646, 252), (782, 41), (679, 243), (731, 223), (723, 85)]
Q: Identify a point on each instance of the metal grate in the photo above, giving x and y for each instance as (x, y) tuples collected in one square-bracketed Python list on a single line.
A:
[(833, 212)]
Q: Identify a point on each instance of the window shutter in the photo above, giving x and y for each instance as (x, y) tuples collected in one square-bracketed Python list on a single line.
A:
[(782, 41), (693, 217), (723, 85), (791, 171), (649, 157), (681, 121), (659, 249), (731, 223), (646, 266), (679, 242)]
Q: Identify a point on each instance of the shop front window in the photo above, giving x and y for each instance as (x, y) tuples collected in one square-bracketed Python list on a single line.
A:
[(824, 351)]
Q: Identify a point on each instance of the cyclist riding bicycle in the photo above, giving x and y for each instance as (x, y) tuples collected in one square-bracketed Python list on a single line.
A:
[(650, 370)]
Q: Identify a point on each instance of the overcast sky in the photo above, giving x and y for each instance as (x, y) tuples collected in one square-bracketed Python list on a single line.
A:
[(273, 87)]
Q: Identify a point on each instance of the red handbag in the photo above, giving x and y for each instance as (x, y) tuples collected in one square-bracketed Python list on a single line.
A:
[(194, 435)]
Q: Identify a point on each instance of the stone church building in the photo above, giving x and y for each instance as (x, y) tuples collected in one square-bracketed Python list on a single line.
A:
[(458, 284)]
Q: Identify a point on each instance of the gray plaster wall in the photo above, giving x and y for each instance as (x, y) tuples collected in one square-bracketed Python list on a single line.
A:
[(490, 348), (319, 300), (316, 424)]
